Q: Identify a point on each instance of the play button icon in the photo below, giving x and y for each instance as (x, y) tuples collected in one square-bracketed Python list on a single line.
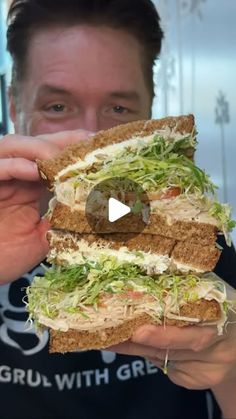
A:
[(117, 205), (116, 210)]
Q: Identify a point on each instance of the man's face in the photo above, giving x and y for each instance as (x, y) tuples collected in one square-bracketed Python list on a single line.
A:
[(81, 77)]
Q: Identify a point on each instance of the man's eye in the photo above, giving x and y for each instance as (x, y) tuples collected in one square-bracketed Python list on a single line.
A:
[(119, 109), (58, 107)]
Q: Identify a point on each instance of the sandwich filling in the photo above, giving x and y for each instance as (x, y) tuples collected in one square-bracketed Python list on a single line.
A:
[(174, 184), (152, 263), (166, 139), (95, 294), (100, 282)]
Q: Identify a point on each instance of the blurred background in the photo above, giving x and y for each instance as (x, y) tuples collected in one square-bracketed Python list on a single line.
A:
[(195, 74)]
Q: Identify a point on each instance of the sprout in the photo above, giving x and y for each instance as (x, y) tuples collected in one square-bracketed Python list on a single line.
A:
[(70, 289)]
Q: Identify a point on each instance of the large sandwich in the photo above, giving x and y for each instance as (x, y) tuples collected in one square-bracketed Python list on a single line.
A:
[(101, 287)]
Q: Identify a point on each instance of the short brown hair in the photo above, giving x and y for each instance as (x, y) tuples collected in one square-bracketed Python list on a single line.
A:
[(137, 17)]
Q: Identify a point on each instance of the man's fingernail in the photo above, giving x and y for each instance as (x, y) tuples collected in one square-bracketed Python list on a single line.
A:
[(84, 131), (34, 167)]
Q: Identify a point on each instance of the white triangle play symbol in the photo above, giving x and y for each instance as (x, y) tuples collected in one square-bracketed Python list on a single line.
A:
[(116, 210)]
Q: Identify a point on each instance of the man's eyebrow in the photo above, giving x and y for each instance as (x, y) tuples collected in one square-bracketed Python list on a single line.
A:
[(130, 95), (119, 94), (47, 89)]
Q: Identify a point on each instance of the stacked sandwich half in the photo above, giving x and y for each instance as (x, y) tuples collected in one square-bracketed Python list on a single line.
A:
[(102, 287)]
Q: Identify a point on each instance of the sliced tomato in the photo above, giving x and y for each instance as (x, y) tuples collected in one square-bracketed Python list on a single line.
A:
[(135, 295), (169, 193)]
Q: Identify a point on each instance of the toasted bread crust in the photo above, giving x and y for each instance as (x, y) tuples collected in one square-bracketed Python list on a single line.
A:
[(73, 339), (64, 218), (195, 256), (48, 169)]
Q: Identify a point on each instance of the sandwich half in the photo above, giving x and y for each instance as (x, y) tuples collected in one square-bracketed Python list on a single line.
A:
[(101, 288), (156, 254), (157, 155), (93, 305)]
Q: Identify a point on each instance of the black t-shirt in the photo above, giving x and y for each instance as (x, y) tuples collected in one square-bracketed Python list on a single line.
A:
[(91, 384)]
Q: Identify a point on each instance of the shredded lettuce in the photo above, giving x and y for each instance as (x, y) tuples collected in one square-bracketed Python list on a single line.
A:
[(69, 289), (151, 164), (174, 171), (161, 147), (156, 174), (158, 165), (222, 212)]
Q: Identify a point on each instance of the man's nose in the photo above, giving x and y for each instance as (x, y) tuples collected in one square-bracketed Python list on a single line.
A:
[(91, 121)]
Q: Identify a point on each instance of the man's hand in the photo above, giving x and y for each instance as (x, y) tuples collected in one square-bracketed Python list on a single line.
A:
[(198, 357), (22, 230)]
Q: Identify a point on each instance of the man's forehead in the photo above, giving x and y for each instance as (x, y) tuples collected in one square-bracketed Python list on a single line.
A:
[(94, 66), (105, 50), (53, 33), (47, 89), (83, 33)]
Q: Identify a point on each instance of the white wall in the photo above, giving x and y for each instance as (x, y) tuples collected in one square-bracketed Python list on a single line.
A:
[(198, 66)]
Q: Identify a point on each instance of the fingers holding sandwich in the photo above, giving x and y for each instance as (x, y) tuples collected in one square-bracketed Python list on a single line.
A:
[(182, 343), (18, 154), (22, 230), (64, 138), (205, 360), (207, 369), (18, 168), (41, 147), (191, 337)]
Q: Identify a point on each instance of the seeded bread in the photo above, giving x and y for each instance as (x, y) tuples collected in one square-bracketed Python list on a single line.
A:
[(191, 255), (60, 240), (48, 169), (64, 218)]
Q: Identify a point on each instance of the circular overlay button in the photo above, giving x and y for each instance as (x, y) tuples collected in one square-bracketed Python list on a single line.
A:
[(117, 205)]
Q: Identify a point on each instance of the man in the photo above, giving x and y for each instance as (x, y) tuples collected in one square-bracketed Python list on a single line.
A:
[(78, 67)]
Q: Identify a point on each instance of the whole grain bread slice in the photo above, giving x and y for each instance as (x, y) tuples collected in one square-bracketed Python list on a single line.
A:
[(65, 218), (72, 340), (190, 256), (63, 240), (48, 169), (195, 256)]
